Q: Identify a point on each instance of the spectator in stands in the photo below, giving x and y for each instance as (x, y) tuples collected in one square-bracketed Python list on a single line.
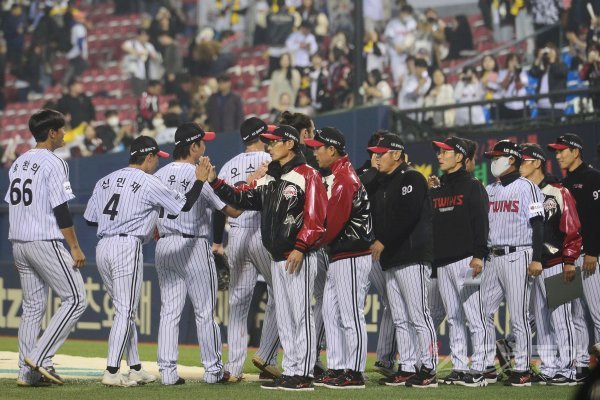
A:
[(150, 104), (47, 35), (161, 25), (415, 86), (513, 83), (549, 69), (139, 52), (28, 73), (429, 36), (440, 93), (166, 132), (206, 57), (400, 36), (376, 89), (284, 103), (14, 27), (340, 78), (200, 98), (374, 15), (112, 133), (317, 85), (224, 109), (469, 89), (91, 142), (375, 51), (590, 72), (78, 53), (279, 26), (301, 45), (546, 13), (172, 61), (459, 38), (2, 73), (489, 76), (76, 105), (286, 79), (317, 20), (230, 15)]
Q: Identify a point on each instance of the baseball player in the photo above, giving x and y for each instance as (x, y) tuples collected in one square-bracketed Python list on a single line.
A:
[(306, 128), (460, 231), (402, 221), (39, 220), (515, 243), (248, 257), (124, 205), (293, 202), (386, 339), (562, 246), (184, 262), (583, 182), (349, 236)]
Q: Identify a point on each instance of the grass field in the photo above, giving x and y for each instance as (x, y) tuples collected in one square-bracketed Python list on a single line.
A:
[(188, 355)]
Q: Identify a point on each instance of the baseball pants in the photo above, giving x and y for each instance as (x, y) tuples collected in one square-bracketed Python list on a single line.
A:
[(463, 307), (582, 332), (386, 339), (121, 264), (42, 265), (186, 267), (436, 305), (555, 329), (295, 319), (591, 292), (407, 288), (248, 257), (343, 312), (320, 279), (506, 277)]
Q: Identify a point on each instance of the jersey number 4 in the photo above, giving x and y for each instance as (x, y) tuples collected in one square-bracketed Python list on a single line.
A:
[(25, 194), (111, 206)]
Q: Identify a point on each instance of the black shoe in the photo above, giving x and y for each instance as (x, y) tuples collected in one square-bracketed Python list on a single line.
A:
[(504, 353), (328, 376), (318, 370), (490, 375), (519, 379), (225, 378), (472, 380), (348, 380), (425, 378), (297, 384), (540, 379), (380, 367), (561, 380), (275, 383), (180, 381), (398, 379), (453, 377), (582, 375)]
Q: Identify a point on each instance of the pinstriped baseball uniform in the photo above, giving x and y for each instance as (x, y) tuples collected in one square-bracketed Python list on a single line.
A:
[(125, 205), (386, 338), (248, 257), (511, 208), (39, 182), (185, 265)]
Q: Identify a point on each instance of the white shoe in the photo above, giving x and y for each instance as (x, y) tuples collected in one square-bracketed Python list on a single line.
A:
[(141, 376), (117, 379)]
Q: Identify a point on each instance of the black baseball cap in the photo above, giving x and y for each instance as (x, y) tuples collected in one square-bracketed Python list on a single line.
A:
[(143, 145), (567, 141), (328, 136), (189, 133), (532, 152), (388, 142), (504, 148), (285, 132), (452, 143), (252, 128)]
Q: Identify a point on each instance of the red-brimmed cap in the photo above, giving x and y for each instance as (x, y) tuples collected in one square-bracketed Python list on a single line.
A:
[(328, 136), (504, 148), (453, 144), (387, 142), (191, 132), (285, 132), (567, 141)]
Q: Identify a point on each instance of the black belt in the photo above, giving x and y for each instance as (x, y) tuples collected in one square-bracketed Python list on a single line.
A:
[(123, 234), (502, 251), (183, 235)]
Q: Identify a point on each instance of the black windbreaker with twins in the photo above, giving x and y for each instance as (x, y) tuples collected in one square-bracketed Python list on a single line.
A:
[(460, 218)]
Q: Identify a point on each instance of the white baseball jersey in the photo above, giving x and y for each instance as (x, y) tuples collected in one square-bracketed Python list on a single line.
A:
[(235, 172), (127, 201), (511, 208), (39, 182), (180, 176)]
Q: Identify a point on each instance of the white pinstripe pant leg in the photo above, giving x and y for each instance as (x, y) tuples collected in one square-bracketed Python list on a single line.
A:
[(491, 294), (436, 305), (53, 264), (322, 265), (591, 291), (386, 339), (242, 281), (295, 321), (120, 263), (172, 296), (407, 356), (201, 280), (582, 332), (269, 338), (554, 330), (336, 342)]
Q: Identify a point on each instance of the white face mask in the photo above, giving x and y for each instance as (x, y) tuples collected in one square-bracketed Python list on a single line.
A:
[(113, 121), (500, 165)]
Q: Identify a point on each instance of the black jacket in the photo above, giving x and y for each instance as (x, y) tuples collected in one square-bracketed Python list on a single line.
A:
[(557, 79), (293, 202), (402, 216), (460, 218), (584, 185)]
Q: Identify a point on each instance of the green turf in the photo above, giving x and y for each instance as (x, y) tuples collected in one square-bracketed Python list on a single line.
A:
[(188, 355)]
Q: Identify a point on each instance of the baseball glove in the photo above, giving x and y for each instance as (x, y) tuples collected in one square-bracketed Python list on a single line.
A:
[(222, 265)]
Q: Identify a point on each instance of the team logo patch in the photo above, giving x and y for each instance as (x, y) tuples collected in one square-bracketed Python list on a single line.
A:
[(289, 192), (67, 187), (535, 208), (550, 207)]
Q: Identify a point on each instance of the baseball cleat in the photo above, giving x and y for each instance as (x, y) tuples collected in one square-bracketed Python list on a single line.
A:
[(42, 382), (519, 379), (454, 377), (328, 376), (540, 379), (472, 380), (297, 384), (117, 379), (49, 373), (347, 380), (398, 379), (267, 368), (425, 378), (380, 367), (141, 377), (490, 375), (275, 383), (561, 380)]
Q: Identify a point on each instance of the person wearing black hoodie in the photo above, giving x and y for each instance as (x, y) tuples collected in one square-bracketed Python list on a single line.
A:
[(403, 232), (460, 231)]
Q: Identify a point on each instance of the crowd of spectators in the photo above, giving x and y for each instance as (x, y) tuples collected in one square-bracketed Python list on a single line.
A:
[(178, 59)]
